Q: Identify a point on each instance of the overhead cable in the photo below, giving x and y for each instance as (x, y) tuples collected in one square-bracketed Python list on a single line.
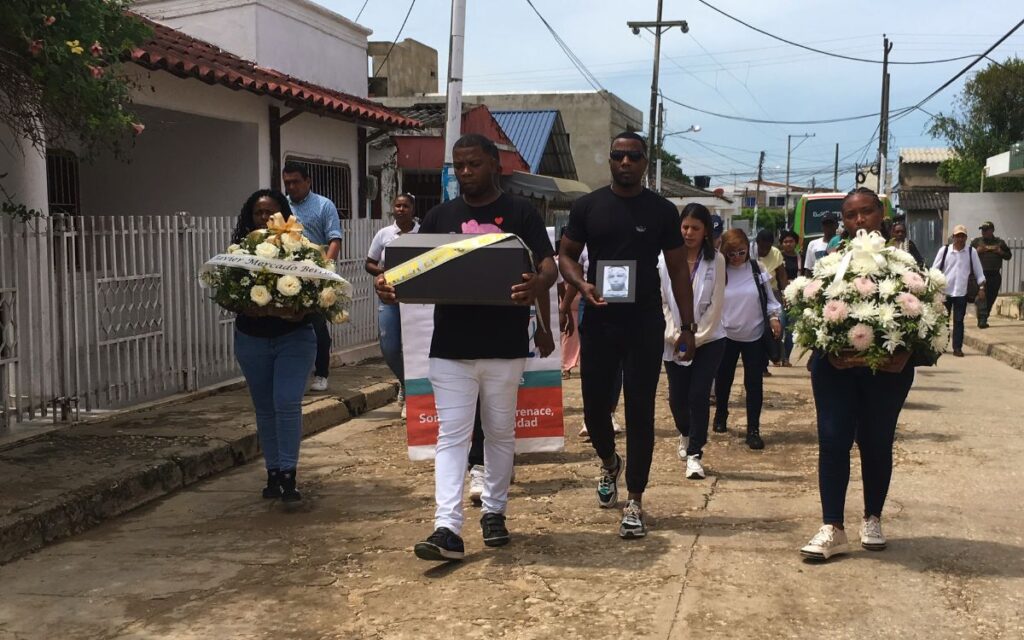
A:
[(395, 41), (582, 68), (763, 121), (822, 51)]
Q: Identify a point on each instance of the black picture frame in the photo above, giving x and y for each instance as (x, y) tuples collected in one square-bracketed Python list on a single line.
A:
[(608, 288)]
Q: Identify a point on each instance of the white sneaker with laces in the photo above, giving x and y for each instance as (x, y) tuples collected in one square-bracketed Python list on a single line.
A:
[(871, 537), (319, 384), (694, 468), (829, 541), (476, 484), (684, 444), (616, 426)]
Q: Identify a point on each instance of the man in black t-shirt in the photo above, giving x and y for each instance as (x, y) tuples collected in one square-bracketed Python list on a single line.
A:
[(625, 221), (479, 351)]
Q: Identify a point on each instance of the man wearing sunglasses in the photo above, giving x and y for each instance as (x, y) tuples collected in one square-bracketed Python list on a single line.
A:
[(625, 221)]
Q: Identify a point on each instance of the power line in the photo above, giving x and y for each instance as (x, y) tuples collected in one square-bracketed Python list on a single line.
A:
[(822, 51), (395, 41), (582, 68), (365, 2), (762, 121)]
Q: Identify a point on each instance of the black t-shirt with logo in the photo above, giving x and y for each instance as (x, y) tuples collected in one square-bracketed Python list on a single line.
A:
[(619, 228), (476, 332)]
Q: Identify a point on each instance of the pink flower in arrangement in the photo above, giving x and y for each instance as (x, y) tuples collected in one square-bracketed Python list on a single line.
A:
[(865, 286), (910, 304), (36, 47), (97, 72), (49, 20), (138, 128), (914, 282), (861, 336), (812, 288), (96, 49), (835, 311)]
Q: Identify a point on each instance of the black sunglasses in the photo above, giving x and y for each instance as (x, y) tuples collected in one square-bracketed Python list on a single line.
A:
[(634, 156)]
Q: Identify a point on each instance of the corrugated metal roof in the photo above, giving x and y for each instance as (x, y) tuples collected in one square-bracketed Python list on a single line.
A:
[(926, 155), (923, 200), (529, 132)]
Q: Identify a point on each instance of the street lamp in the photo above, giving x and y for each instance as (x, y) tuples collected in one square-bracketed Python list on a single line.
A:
[(694, 128)]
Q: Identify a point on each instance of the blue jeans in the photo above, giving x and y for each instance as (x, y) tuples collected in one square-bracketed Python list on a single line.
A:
[(276, 370), (787, 336), (389, 323), (957, 307), (755, 359), (688, 391), (855, 405)]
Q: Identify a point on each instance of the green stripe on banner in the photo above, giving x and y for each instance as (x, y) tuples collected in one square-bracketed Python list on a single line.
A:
[(531, 380), (534, 379)]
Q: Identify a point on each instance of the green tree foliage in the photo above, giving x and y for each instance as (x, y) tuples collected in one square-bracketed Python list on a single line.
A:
[(987, 118), (773, 219), (60, 84), (670, 167)]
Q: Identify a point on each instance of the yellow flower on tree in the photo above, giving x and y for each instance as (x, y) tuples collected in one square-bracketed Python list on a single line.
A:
[(75, 47)]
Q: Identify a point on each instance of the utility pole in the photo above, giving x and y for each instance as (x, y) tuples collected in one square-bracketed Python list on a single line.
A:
[(453, 126), (835, 171), (661, 144), (883, 125), (789, 141), (757, 193), (658, 27)]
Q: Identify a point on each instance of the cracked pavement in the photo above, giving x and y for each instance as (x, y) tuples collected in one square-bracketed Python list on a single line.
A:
[(214, 560)]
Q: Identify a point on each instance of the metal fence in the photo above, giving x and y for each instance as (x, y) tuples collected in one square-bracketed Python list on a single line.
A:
[(102, 312), (1013, 271)]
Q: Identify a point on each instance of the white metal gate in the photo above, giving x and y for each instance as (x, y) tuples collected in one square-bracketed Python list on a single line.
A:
[(102, 312)]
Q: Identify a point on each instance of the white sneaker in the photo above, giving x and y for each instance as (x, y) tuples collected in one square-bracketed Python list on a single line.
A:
[(694, 468), (871, 537), (829, 541), (403, 410), (684, 444), (319, 384), (476, 484), (616, 427)]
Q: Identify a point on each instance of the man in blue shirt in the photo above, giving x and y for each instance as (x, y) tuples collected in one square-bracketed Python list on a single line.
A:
[(321, 224)]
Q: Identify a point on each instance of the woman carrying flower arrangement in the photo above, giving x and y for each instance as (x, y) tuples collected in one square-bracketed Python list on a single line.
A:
[(275, 280), (869, 314)]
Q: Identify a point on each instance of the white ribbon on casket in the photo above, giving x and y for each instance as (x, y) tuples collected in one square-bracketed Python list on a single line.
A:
[(273, 265)]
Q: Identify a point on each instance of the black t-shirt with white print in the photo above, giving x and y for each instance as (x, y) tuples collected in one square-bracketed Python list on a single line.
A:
[(477, 332), (637, 228)]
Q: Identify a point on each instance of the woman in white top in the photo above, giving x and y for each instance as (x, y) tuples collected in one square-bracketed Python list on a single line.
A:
[(689, 383), (747, 302), (389, 319)]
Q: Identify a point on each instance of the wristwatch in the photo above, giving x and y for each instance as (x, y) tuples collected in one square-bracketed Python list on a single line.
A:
[(692, 327)]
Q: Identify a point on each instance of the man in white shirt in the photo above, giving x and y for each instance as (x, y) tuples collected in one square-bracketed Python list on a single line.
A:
[(817, 248), (959, 261)]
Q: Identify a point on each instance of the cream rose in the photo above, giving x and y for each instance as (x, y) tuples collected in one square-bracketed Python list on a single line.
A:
[(327, 297), (260, 295), (266, 250), (289, 285), (291, 242), (340, 317)]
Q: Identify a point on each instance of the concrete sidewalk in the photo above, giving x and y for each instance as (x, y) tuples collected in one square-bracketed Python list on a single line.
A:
[(70, 479), (1003, 340)]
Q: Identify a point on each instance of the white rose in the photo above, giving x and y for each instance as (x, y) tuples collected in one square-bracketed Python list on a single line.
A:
[(266, 250), (233, 248), (291, 242), (260, 295), (327, 297), (289, 285)]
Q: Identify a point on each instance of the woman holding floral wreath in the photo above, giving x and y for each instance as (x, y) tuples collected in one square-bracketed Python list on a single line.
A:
[(275, 354), (877, 305)]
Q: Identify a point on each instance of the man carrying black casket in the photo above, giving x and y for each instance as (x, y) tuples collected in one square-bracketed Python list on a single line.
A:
[(479, 350)]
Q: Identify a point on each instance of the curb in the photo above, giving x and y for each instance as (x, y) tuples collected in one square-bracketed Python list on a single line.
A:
[(87, 506), (1007, 355)]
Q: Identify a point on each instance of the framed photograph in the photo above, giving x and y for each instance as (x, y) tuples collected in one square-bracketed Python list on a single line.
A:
[(616, 280)]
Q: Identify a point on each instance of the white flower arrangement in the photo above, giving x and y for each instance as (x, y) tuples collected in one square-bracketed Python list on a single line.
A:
[(872, 302), (253, 288)]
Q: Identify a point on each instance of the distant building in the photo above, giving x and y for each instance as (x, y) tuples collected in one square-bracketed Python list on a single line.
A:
[(923, 197)]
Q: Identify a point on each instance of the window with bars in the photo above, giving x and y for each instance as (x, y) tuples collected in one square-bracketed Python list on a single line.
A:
[(62, 182), (777, 201), (331, 180)]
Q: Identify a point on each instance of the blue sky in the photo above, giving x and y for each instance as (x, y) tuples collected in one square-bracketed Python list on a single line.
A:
[(724, 67)]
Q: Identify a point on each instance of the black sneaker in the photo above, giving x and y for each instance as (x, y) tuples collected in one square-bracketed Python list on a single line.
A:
[(273, 489), (719, 426), (289, 494), (754, 440), (442, 545), (607, 486), (495, 532)]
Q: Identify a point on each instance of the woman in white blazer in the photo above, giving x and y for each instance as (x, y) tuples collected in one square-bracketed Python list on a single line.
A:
[(689, 383)]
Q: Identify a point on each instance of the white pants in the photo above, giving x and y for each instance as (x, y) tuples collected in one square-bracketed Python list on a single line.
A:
[(456, 386)]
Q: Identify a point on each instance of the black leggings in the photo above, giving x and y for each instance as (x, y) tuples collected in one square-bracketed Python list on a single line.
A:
[(688, 391), (632, 340), (754, 361)]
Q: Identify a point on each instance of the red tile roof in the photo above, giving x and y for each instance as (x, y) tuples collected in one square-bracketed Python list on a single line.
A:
[(187, 57)]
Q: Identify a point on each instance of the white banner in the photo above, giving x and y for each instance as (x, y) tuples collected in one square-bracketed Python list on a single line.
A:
[(273, 265)]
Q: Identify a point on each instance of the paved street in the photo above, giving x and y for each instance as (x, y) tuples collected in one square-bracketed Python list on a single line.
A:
[(215, 561)]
